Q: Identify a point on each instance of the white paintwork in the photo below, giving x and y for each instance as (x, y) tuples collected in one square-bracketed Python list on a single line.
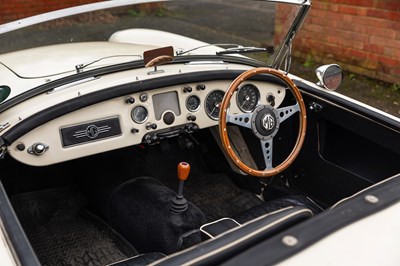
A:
[(62, 58), (6, 255), (53, 62), (371, 241)]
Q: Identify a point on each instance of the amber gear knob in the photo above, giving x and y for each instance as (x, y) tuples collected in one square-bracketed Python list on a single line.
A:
[(183, 171)]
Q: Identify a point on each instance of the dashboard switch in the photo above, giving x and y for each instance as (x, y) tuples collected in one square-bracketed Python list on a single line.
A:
[(21, 147), (187, 89), (201, 87), (191, 118), (130, 100), (38, 149), (151, 126), (143, 97), (271, 99), (134, 130)]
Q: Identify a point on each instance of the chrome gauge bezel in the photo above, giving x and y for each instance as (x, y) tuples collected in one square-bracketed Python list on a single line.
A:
[(205, 103), (257, 95), (133, 117), (186, 103)]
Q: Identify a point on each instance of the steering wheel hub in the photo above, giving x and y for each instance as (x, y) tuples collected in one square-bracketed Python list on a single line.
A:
[(264, 122)]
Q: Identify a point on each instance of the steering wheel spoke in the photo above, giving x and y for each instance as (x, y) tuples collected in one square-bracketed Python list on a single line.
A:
[(266, 147), (286, 112), (243, 120)]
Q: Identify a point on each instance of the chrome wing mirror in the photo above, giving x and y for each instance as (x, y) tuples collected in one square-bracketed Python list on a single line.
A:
[(330, 76)]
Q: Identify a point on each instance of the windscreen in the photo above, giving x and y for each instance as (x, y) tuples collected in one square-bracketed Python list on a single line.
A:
[(226, 23)]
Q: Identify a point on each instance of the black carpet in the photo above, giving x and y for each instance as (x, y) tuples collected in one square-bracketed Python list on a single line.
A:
[(62, 232)]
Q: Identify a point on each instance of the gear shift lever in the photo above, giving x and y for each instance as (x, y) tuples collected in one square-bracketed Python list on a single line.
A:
[(179, 203)]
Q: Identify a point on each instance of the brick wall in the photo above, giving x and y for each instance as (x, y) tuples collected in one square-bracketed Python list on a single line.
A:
[(11, 10), (363, 36)]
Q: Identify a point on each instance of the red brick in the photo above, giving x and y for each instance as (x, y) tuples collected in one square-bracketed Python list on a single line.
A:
[(320, 5), (394, 53), (333, 7), (388, 61), (385, 42), (393, 5), (367, 3), (352, 10), (385, 14), (373, 48), (358, 54)]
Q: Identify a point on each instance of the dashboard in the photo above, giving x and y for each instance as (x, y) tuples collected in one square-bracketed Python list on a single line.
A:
[(143, 117)]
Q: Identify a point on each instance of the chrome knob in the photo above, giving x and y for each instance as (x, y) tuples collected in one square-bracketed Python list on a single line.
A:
[(38, 149)]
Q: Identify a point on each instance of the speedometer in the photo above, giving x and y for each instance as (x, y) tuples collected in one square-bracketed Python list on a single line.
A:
[(213, 103), (247, 97)]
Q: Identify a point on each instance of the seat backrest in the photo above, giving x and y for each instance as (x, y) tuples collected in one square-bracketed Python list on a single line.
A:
[(231, 242)]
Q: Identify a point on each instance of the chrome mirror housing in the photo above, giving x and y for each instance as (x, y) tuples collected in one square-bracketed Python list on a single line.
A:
[(330, 76)]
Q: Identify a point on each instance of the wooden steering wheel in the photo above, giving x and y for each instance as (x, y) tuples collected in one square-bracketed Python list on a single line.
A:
[(264, 121)]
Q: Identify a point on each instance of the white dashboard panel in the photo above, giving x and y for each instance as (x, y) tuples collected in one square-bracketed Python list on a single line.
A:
[(131, 133)]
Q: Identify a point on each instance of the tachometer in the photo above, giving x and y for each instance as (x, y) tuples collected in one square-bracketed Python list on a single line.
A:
[(139, 114), (193, 103), (247, 97), (213, 103)]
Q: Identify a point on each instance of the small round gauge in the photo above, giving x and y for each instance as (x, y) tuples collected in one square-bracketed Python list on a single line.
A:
[(213, 103), (193, 103), (247, 97), (139, 114)]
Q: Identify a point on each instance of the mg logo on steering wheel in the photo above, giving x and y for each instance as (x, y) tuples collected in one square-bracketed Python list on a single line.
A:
[(268, 122)]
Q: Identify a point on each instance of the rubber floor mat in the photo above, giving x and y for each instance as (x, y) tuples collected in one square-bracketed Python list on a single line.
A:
[(62, 232), (217, 196)]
